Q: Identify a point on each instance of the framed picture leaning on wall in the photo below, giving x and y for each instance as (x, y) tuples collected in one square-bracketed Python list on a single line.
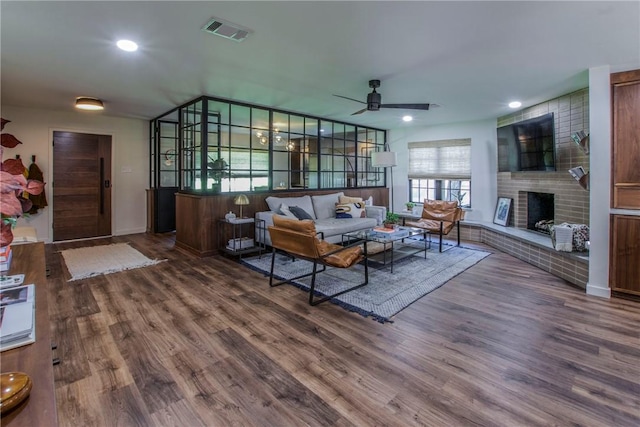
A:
[(501, 217)]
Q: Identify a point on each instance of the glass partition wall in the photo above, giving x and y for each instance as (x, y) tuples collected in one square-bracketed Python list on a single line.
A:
[(216, 146)]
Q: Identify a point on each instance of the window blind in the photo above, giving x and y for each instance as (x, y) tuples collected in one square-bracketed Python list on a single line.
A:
[(445, 159)]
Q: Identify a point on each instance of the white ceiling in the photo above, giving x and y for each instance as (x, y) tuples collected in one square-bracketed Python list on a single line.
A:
[(472, 58)]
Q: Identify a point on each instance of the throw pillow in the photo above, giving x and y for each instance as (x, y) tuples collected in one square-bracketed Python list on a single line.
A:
[(349, 199), (304, 202), (300, 213), (351, 210), (284, 210)]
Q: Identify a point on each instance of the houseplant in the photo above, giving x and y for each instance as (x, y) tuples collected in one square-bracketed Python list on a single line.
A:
[(409, 206), (218, 169), (391, 220), (459, 196), (13, 189)]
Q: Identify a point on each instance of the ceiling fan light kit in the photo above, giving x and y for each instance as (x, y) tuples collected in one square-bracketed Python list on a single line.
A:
[(374, 101)]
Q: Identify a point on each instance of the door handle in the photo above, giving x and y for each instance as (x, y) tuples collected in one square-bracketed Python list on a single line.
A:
[(101, 188), (107, 183)]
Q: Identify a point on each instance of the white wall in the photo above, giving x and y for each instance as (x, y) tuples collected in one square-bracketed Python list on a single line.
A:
[(484, 167), (130, 152)]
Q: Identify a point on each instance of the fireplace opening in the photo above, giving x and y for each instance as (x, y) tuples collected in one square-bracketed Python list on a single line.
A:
[(540, 211)]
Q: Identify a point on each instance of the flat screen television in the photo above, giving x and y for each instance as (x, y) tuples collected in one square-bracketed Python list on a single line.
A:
[(528, 145)]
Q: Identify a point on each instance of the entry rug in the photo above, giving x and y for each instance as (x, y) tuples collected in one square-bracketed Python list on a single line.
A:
[(106, 259), (386, 294)]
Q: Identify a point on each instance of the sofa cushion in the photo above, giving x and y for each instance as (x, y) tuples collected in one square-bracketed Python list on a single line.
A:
[(303, 202), (324, 206), (332, 228), (351, 210), (284, 210), (336, 227), (300, 213)]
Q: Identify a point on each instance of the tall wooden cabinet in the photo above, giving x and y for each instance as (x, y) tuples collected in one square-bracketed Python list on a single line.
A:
[(625, 254), (624, 257)]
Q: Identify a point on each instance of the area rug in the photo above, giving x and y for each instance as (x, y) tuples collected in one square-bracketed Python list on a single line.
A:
[(387, 293), (96, 260)]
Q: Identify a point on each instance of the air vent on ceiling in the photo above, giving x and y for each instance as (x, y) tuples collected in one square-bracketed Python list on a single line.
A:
[(227, 29)]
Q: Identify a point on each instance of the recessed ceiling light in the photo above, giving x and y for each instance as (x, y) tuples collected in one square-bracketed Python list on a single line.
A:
[(127, 45), (407, 118), (515, 104)]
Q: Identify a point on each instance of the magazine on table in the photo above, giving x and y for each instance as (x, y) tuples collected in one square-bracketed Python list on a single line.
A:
[(11, 281), (6, 264), (381, 232), (17, 295), (385, 230), (17, 325), (17, 317)]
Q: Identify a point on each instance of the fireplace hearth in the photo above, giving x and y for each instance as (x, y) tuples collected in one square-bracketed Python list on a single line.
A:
[(540, 211)]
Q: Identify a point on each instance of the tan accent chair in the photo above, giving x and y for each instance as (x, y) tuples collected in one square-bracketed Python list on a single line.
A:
[(439, 217), (298, 239)]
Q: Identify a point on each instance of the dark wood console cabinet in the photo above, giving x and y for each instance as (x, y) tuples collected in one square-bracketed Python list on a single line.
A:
[(197, 216), (33, 359)]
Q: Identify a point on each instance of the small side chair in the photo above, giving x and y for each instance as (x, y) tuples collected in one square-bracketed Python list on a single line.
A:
[(439, 217), (298, 239)]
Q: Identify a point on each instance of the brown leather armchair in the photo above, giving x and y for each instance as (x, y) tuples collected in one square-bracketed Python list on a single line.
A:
[(298, 239), (439, 217)]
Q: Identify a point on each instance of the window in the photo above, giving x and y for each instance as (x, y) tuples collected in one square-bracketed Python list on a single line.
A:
[(440, 189), (440, 170), (220, 146)]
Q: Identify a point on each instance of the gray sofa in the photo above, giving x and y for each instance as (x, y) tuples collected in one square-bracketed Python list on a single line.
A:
[(322, 210)]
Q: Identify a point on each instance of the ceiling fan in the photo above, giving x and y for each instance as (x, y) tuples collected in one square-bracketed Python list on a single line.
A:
[(374, 101)]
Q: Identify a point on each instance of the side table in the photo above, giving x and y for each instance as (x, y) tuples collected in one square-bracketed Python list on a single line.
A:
[(407, 215), (240, 244)]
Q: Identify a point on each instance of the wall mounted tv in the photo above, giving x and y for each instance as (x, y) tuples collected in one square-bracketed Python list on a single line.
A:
[(527, 145)]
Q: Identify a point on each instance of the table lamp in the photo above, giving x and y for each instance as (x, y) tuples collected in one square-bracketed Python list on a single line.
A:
[(241, 200)]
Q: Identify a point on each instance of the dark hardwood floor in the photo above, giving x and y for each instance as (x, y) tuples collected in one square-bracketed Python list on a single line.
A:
[(195, 341)]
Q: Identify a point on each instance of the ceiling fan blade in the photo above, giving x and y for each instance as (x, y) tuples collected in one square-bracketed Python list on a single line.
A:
[(350, 99), (409, 106), (359, 112)]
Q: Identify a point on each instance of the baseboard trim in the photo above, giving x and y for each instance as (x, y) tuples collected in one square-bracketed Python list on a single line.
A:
[(130, 231), (598, 291)]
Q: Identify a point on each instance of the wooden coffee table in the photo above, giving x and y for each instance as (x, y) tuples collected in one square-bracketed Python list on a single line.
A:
[(384, 248)]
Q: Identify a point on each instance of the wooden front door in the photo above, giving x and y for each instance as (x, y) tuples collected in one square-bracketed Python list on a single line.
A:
[(81, 185)]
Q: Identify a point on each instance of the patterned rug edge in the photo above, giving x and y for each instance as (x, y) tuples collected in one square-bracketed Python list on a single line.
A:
[(363, 312)]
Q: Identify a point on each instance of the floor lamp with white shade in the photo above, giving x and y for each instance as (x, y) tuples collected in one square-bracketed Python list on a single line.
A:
[(383, 159)]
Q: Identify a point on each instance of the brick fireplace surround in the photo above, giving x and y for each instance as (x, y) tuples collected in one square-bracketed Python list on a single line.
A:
[(571, 202)]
